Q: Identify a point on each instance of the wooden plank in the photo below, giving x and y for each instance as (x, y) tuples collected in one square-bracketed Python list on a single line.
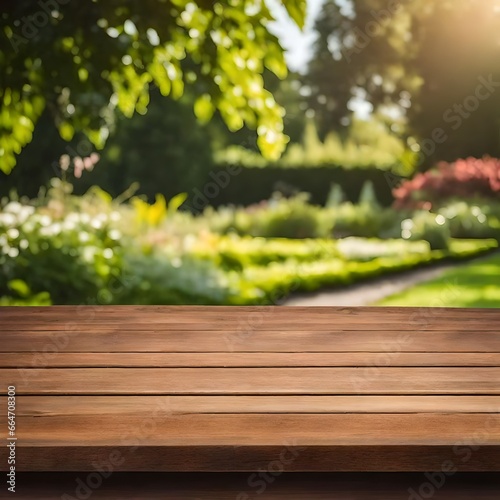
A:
[(371, 360), (255, 341), (232, 318), (120, 406), (297, 324), (269, 485), (260, 430), (220, 458), (148, 311), (254, 381)]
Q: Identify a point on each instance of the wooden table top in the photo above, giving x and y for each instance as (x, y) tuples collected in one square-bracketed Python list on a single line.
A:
[(261, 486), (167, 388)]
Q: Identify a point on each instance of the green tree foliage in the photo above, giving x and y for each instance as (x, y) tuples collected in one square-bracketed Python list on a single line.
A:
[(359, 52), (420, 59), (166, 151), (81, 60)]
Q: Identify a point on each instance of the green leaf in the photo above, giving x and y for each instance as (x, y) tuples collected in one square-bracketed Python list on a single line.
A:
[(203, 108), (297, 10), (66, 131), (20, 287), (101, 194), (175, 203)]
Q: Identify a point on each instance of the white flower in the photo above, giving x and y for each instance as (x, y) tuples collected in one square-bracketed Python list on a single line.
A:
[(23, 244), (14, 207), (440, 219), (7, 219), (407, 224), (13, 233), (108, 253), (115, 216), (25, 212), (72, 218), (13, 252), (68, 225), (114, 234), (83, 237), (96, 223), (89, 253), (45, 220)]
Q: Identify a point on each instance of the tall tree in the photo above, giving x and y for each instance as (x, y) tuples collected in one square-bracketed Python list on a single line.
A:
[(423, 60), (456, 110), (360, 51), (81, 59)]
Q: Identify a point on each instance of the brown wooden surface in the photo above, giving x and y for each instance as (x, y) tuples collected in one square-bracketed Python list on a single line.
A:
[(245, 359), (238, 381), (141, 405), (236, 389), (266, 486)]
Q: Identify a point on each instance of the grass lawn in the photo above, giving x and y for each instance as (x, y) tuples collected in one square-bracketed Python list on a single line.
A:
[(473, 285)]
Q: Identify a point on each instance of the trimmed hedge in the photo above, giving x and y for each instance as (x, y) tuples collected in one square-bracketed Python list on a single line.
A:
[(246, 186), (266, 284)]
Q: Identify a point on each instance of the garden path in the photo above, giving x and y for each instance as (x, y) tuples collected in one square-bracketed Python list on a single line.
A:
[(362, 294)]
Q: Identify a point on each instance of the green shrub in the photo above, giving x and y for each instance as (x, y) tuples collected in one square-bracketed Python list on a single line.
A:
[(429, 227), (251, 185), (471, 221), (367, 221), (263, 284), (159, 278), (277, 218), (73, 258), (368, 196), (335, 196), (237, 253), (292, 218)]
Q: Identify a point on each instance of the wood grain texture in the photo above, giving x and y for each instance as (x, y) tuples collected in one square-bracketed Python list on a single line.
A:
[(286, 340), (362, 458), (237, 389), (370, 360), (231, 318), (147, 405), (386, 380), (235, 430), (240, 486)]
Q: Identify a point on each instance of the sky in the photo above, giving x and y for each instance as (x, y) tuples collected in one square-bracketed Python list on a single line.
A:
[(297, 44)]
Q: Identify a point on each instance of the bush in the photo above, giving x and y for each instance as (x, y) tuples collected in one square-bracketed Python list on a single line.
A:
[(277, 218), (429, 227), (73, 258), (464, 179), (237, 253), (251, 185), (365, 221), (50, 255), (471, 221), (291, 218), (262, 285), (159, 278)]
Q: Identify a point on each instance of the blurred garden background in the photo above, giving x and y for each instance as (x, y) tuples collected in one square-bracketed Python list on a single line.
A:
[(245, 151)]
